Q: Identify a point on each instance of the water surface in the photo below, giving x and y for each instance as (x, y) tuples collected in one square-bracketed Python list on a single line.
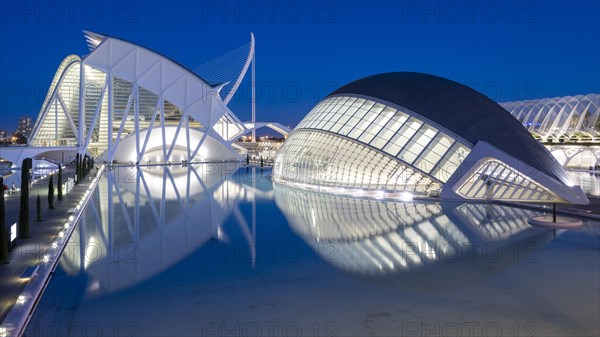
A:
[(211, 250)]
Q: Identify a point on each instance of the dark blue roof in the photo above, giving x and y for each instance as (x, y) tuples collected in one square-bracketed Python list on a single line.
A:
[(460, 109)]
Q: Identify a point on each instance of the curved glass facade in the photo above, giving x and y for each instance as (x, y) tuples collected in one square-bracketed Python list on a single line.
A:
[(324, 159), (59, 116), (361, 143), (373, 138)]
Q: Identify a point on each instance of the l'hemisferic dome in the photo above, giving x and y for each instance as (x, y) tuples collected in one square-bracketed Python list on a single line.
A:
[(405, 133)]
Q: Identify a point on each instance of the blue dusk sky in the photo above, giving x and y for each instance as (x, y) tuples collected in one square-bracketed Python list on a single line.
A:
[(509, 50)]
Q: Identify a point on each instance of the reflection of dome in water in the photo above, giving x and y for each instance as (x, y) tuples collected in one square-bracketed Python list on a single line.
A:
[(367, 236), (173, 182), (138, 243)]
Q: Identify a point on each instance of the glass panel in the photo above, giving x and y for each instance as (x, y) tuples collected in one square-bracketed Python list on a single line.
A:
[(397, 121), (362, 125), (402, 137), (418, 142), (383, 116)]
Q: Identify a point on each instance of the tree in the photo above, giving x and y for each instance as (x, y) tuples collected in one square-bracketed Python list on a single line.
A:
[(51, 192), (3, 232), (23, 225), (38, 207), (59, 183)]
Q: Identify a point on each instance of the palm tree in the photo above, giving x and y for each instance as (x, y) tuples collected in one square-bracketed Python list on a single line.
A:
[(51, 192), (38, 208), (59, 183), (23, 226)]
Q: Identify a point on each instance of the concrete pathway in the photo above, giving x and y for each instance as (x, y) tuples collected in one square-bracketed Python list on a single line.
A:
[(29, 252)]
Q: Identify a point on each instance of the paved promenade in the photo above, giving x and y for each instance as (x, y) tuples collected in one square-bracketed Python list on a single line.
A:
[(29, 252)]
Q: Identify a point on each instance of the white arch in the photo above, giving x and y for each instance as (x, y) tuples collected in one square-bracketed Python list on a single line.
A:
[(594, 156), (55, 96), (281, 129), (211, 148), (566, 154), (16, 154)]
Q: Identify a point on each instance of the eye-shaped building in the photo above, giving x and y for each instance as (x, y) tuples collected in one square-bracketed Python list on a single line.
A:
[(405, 133)]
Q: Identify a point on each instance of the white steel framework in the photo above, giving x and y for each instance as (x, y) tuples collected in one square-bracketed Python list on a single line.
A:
[(158, 91), (140, 106), (560, 119)]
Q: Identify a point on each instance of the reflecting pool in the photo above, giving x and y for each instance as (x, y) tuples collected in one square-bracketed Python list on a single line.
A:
[(211, 250)]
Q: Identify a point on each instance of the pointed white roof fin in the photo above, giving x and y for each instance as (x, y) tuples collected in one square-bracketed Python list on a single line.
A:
[(93, 39)]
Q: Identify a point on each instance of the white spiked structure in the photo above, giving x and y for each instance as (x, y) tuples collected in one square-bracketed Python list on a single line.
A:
[(140, 106)]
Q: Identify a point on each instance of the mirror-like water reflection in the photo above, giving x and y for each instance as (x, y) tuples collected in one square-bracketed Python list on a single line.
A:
[(153, 217), (212, 250), (379, 237)]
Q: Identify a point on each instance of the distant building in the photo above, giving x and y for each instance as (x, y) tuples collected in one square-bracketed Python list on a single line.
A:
[(2, 135), (25, 126)]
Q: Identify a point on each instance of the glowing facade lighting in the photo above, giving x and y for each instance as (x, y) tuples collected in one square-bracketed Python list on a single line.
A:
[(367, 137), (406, 196)]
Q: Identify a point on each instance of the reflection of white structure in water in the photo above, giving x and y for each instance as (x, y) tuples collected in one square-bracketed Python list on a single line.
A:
[(368, 236), (143, 221)]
